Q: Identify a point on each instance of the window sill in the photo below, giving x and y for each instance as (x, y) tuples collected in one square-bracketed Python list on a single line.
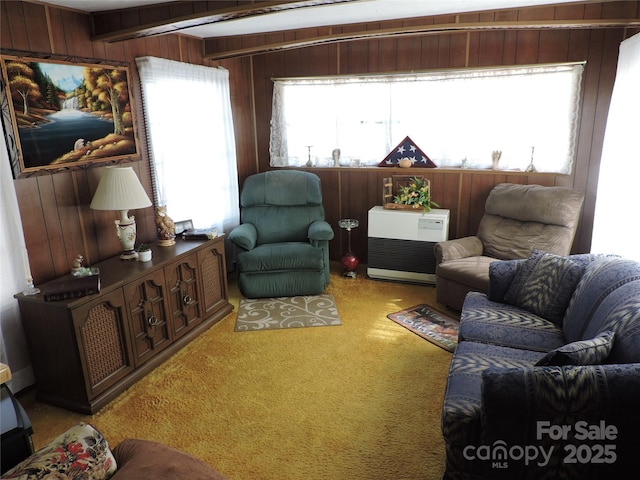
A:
[(449, 170)]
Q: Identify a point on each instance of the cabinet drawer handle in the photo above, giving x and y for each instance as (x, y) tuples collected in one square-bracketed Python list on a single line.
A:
[(187, 299), (152, 320)]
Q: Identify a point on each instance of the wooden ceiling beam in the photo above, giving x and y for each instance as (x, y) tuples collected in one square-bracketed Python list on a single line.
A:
[(166, 21), (213, 52)]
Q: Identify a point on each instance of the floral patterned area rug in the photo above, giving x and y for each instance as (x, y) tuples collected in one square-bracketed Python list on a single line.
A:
[(434, 326), (287, 312)]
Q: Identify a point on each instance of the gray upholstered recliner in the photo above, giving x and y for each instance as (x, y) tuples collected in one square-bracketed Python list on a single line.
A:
[(518, 220), (283, 239)]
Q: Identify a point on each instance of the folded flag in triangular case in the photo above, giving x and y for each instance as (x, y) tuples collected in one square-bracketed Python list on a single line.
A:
[(407, 149)]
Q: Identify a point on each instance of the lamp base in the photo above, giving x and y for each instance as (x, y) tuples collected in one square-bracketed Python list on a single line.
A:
[(129, 255), (126, 231)]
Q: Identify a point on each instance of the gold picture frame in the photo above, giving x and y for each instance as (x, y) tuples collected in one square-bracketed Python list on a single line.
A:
[(66, 113)]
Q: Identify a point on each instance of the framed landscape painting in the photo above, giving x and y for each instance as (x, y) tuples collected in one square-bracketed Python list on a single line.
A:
[(60, 114)]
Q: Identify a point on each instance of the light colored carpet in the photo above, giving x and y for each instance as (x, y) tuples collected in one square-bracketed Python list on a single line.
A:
[(287, 312), (357, 402)]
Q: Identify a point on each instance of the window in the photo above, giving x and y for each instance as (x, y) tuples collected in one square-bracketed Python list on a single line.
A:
[(456, 117), (191, 141)]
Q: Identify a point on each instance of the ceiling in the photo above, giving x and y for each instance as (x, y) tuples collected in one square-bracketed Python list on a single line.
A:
[(333, 12)]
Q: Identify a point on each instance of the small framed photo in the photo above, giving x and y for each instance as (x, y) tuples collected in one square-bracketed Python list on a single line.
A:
[(183, 226)]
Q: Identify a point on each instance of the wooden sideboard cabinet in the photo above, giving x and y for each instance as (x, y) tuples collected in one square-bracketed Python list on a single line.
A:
[(86, 351)]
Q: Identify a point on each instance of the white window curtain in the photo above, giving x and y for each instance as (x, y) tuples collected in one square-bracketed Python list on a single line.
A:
[(615, 227), (15, 269), (456, 117), (191, 141)]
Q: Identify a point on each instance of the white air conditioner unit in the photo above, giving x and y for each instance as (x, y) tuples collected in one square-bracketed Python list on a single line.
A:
[(401, 243)]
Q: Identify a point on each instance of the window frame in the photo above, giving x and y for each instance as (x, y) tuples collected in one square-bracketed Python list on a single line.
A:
[(530, 155)]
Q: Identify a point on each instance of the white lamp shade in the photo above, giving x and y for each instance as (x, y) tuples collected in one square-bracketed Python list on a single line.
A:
[(119, 189)]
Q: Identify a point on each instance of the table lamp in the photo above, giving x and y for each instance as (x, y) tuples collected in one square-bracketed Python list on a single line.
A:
[(119, 189)]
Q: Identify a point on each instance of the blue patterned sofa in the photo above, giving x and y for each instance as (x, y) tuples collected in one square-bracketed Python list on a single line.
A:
[(545, 380)]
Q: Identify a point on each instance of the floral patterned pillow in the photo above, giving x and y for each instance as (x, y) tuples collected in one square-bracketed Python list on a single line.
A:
[(79, 453)]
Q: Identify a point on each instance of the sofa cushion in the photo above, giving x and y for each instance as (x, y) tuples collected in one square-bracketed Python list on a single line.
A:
[(502, 272), (509, 239), (625, 322), (282, 256), (281, 187), (280, 223), (544, 285), (470, 271), (606, 293), (516, 401), (584, 352), (81, 452), (461, 410), (275, 284), (507, 325), (619, 311), (535, 204), (144, 459)]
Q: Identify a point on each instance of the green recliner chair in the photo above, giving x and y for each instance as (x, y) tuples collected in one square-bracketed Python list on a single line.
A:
[(282, 239)]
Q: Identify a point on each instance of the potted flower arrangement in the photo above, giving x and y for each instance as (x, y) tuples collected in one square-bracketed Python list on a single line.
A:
[(144, 252), (416, 193)]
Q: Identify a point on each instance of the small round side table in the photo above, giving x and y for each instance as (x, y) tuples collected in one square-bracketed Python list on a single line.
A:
[(349, 261)]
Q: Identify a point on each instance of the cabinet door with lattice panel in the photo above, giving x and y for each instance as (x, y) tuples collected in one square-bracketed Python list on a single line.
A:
[(213, 277), (104, 343), (185, 306), (150, 330)]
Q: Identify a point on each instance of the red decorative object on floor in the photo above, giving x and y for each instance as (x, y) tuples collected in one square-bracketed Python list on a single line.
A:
[(349, 261)]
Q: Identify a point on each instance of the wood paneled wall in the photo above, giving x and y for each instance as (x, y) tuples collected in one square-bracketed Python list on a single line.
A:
[(352, 192), (55, 210)]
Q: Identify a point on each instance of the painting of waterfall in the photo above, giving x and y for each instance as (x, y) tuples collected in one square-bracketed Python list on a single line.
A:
[(59, 115)]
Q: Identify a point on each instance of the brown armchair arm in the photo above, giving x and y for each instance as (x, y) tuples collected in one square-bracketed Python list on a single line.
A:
[(457, 248)]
